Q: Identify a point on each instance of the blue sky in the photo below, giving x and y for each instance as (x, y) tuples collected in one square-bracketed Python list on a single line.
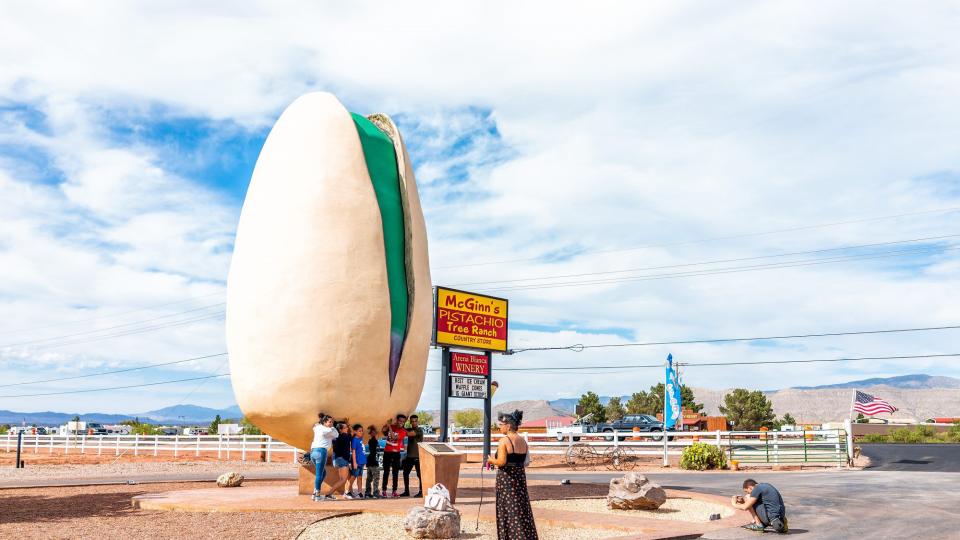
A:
[(657, 136)]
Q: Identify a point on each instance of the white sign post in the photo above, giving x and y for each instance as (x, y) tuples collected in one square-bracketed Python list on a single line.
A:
[(468, 387)]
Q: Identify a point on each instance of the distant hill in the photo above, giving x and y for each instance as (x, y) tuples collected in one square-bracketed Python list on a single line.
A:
[(49, 418), (191, 414), (533, 409), (902, 381), (917, 397), (177, 414)]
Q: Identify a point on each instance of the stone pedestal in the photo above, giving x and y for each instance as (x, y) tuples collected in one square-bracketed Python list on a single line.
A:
[(440, 464), (306, 477)]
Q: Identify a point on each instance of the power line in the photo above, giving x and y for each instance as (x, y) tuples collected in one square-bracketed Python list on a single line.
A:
[(99, 317), (714, 239), (114, 371), (716, 261), (685, 364), (132, 332), (575, 348), (730, 270), (98, 330), (579, 347), (115, 387)]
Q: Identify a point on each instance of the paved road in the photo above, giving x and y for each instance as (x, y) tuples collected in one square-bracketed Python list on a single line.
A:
[(834, 504), (913, 457)]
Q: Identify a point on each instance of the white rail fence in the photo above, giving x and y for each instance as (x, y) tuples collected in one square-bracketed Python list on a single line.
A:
[(749, 447), (226, 447)]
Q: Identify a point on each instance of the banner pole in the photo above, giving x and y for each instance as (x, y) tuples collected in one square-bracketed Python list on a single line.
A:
[(444, 394), (666, 403), (487, 408)]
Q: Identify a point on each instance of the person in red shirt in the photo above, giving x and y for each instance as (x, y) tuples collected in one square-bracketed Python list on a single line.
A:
[(391, 454)]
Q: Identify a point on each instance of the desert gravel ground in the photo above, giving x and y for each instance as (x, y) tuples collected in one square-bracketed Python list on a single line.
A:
[(105, 513), (679, 509), (390, 527)]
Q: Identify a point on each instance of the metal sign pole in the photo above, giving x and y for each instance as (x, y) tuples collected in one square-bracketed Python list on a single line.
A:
[(444, 394), (487, 407)]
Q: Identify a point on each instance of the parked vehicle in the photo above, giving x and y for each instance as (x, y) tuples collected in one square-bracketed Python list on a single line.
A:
[(556, 430), (643, 422), (94, 428)]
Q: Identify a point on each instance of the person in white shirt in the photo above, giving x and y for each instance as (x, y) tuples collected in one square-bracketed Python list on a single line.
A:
[(323, 436)]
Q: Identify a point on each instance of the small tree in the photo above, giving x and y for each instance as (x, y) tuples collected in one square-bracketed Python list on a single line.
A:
[(76, 418), (788, 420), (861, 419), (144, 429), (4, 429), (614, 409), (249, 428), (748, 410), (426, 419), (468, 418), (215, 425), (590, 404), (641, 403)]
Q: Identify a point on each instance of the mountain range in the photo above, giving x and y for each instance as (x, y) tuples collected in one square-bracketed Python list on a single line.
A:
[(918, 396), (177, 414)]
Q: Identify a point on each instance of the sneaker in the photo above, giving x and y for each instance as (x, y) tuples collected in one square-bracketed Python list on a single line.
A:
[(419, 495), (780, 526), (754, 527), (377, 495), (366, 494), (330, 497), (348, 496), (394, 495), (405, 494)]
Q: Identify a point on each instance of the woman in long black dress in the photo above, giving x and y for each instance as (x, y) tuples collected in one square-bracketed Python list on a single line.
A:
[(514, 515)]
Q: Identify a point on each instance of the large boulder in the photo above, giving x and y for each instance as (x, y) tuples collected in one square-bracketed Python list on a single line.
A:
[(230, 479), (426, 523), (634, 492)]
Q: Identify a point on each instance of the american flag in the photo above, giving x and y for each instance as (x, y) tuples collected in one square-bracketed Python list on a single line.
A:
[(870, 405)]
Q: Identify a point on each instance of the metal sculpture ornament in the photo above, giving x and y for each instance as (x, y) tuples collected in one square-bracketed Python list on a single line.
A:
[(329, 294)]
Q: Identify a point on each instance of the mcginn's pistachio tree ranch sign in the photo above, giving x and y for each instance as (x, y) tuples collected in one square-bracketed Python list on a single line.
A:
[(470, 320)]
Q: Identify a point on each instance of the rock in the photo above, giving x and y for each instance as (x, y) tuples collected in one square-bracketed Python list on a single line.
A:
[(635, 492), (230, 479), (426, 523)]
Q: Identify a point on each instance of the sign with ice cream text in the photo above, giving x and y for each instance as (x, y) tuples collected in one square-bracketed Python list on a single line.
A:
[(469, 364), (470, 320), (468, 387)]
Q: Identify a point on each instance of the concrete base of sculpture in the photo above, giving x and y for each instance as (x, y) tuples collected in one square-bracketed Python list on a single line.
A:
[(307, 475)]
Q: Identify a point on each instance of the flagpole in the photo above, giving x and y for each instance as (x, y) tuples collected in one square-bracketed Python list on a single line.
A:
[(853, 401)]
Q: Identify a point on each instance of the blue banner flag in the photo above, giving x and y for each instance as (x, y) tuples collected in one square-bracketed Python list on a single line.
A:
[(672, 407)]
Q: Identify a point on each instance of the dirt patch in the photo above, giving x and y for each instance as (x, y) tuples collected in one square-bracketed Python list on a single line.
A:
[(106, 513)]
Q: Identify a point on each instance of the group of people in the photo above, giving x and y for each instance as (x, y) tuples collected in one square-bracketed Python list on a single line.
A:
[(392, 448), (397, 449)]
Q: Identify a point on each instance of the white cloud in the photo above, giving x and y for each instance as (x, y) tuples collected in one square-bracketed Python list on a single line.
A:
[(619, 126)]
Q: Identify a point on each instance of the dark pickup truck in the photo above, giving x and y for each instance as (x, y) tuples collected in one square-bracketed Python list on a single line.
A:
[(644, 422)]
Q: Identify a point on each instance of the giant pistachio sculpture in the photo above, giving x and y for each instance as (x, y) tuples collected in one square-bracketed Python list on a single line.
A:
[(329, 294)]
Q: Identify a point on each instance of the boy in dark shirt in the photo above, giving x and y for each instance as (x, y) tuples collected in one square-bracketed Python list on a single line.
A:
[(765, 505), (412, 461), (372, 488)]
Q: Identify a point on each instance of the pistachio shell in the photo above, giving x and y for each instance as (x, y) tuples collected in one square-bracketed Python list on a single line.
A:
[(308, 311)]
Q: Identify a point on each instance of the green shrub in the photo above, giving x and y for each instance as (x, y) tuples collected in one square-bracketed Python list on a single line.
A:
[(701, 456), (953, 434), (874, 438)]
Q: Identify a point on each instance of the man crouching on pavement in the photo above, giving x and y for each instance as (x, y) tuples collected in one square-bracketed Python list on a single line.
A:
[(765, 505)]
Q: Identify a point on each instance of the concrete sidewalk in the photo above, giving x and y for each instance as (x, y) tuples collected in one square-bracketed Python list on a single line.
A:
[(285, 499)]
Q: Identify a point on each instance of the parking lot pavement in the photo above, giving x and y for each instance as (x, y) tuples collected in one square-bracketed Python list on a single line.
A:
[(834, 504), (913, 457)]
